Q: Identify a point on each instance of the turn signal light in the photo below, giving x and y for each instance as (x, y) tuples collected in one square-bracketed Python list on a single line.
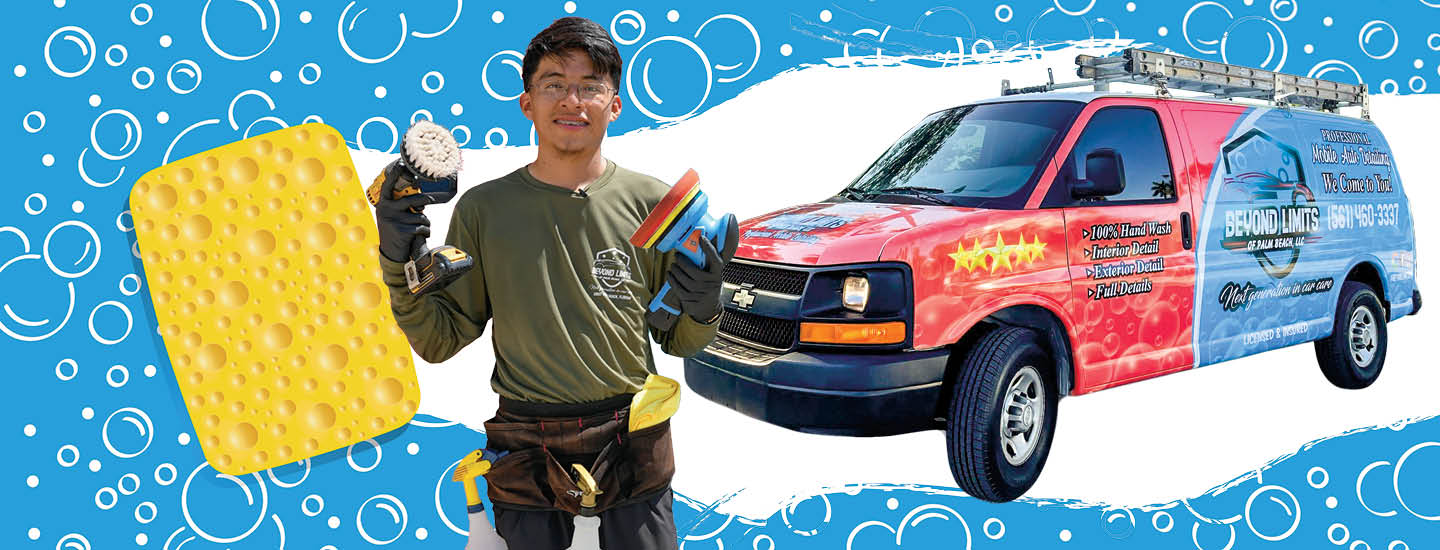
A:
[(853, 333)]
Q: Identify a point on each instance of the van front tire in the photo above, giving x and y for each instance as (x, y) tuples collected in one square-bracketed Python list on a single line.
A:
[(1002, 417), (1352, 356)]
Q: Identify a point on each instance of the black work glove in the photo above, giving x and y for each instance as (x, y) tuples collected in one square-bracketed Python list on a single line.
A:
[(402, 232), (698, 289)]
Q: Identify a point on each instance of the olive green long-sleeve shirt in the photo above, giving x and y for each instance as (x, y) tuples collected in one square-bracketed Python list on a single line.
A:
[(555, 270)]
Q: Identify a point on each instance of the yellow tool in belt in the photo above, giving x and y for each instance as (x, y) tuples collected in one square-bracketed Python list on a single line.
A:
[(474, 465), (657, 402)]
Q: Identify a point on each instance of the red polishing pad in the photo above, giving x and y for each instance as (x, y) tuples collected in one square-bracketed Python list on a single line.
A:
[(669, 208)]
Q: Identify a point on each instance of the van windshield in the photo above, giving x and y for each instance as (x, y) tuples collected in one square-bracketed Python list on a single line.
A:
[(986, 155)]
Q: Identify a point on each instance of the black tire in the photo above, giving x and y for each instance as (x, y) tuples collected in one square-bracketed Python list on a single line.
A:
[(1344, 365), (979, 460)]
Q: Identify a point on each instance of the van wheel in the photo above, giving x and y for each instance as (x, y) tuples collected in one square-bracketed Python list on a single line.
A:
[(1352, 356), (1002, 416)]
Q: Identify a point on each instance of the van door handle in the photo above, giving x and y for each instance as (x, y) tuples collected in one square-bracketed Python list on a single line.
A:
[(1186, 239)]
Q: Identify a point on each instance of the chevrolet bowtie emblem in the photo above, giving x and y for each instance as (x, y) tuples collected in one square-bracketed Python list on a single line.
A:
[(743, 298)]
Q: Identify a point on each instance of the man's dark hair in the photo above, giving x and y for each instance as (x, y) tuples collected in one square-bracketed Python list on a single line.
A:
[(569, 34)]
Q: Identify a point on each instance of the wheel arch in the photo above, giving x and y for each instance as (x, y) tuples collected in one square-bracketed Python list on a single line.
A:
[(1368, 270), (1055, 336)]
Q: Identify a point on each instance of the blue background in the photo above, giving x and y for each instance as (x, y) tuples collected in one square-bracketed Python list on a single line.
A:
[(99, 92)]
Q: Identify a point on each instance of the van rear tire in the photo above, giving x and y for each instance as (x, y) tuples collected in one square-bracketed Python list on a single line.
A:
[(1002, 417), (1354, 353)]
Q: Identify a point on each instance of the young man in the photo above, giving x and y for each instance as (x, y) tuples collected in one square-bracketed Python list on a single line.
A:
[(568, 293)]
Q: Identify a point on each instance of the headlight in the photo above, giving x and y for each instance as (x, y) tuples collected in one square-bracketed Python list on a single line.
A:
[(856, 293)]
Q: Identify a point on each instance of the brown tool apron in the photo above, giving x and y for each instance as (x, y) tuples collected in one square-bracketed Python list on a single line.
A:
[(545, 439)]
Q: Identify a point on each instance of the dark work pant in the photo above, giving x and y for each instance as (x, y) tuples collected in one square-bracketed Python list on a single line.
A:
[(644, 525)]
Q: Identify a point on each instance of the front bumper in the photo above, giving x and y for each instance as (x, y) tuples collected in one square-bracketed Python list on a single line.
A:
[(822, 392)]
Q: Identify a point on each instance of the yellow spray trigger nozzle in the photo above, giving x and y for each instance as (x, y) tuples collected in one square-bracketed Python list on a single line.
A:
[(589, 489), (656, 402), (474, 465)]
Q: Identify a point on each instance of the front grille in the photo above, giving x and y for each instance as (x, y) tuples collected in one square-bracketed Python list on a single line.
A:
[(773, 279), (766, 331)]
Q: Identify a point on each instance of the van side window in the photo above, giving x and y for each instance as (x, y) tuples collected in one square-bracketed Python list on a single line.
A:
[(1134, 132)]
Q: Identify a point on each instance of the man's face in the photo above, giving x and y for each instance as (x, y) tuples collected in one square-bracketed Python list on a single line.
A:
[(563, 103)]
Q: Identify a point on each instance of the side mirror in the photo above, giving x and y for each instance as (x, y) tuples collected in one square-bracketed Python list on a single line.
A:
[(1104, 175)]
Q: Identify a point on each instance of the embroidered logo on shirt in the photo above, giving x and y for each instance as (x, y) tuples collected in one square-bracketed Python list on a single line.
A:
[(611, 269)]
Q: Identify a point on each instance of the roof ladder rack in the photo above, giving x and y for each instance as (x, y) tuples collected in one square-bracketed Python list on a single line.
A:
[(1168, 71)]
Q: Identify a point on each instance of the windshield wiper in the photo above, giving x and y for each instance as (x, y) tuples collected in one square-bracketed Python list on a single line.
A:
[(852, 194), (923, 193)]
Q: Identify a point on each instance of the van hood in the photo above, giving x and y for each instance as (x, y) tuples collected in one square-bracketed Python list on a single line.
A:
[(836, 233)]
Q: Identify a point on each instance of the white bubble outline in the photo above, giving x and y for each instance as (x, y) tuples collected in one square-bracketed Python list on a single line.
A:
[(1079, 12), (205, 30), (1358, 542), (394, 133), (73, 450), (1109, 512), (504, 137), (755, 35), (132, 277), (168, 150), (35, 212), (1195, 536), (1364, 36), (638, 22), (1394, 87), (785, 516), (1330, 534), (121, 484), (124, 55), (114, 499), (459, 5), (1431, 41), (1310, 478), (440, 510), (985, 528), (149, 430), (89, 42), (1423, 84), (428, 116), (426, 77), (459, 128), (170, 76), (1360, 480), (306, 509), (135, 80), (45, 248), (1293, 526), (25, 122), (1400, 464), (755, 543), (129, 325), (340, 32), (249, 497), (1284, 42), (124, 372), (70, 309), (1294, 9), (350, 459), (311, 118), (1009, 13), (1397, 541), (645, 81), (271, 472), (75, 369), (485, 73), (283, 125), (139, 134), (301, 73), (173, 474), (404, 517), (1155, 521), (149, 14), (1185, 26), (230, 111), (153, 512)]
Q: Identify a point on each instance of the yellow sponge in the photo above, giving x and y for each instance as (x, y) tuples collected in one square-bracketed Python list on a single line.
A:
[(261, 261)]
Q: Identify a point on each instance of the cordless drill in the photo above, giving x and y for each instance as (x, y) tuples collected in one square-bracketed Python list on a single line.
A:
[(429, 164)]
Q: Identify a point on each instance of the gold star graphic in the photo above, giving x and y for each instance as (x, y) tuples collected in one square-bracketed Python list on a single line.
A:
[(1001, 252), (961, 257), (1037, 250)]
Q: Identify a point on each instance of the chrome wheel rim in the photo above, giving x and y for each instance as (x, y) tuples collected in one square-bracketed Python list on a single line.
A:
[(1364, 337), (1022, 420)]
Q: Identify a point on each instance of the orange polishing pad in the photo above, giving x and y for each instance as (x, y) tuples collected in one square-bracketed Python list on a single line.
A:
[(669, 208)]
